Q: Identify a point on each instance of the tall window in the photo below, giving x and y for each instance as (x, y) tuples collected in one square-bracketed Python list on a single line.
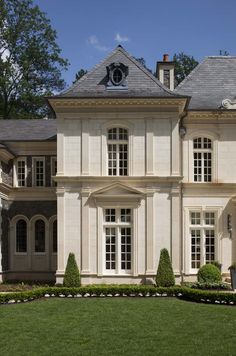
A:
[(21, 236), (21, 172), (39, 171), (118, 240), (203, 236), (117, 152), (39, 236), (202, 158), (54, 236)]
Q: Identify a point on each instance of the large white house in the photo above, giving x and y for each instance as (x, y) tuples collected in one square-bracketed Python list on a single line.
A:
[(129, 166)]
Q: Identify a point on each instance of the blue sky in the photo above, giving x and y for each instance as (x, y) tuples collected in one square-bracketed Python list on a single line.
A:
[(89, 29)]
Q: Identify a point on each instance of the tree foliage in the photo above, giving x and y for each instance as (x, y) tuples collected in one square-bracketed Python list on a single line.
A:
[(184, 64), (80, 74), (165, 276), (142, 61), (72, 275), (30, 61)]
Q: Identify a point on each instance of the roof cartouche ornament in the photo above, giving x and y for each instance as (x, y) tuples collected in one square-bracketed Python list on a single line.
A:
[(228, 104)]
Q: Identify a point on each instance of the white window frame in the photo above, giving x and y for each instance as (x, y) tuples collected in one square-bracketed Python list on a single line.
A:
[(190, 161), (53, 170), (187, 245), (204, 163), (117, 144), (16, 179), (34, 160), (118, 225)]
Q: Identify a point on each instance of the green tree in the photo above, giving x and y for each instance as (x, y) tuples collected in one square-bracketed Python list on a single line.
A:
[(30, 61), (165, 276), (80, 74), (142, 61), (72, 275), (184, 64)]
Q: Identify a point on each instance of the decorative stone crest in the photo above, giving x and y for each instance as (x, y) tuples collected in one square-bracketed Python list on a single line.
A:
[(117, 73)]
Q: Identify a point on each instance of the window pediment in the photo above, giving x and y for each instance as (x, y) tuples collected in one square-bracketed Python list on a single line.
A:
[(118, 192)]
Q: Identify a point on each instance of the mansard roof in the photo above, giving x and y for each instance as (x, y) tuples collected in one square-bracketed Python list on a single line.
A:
[(210, 83), (140, 82), (28, 130)]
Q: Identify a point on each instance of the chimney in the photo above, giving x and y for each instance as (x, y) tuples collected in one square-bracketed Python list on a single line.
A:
[(165, 72)]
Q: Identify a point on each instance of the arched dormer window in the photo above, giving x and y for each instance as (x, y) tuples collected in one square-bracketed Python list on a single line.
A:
[(117, 152), (21, 236), (202, 159), (39, 246)]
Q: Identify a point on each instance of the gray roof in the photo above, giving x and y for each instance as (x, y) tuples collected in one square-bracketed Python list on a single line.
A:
[(210, 82), (140, 82), (27, 130)]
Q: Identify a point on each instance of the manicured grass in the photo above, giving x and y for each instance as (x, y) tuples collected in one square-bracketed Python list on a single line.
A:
[(117, 326)]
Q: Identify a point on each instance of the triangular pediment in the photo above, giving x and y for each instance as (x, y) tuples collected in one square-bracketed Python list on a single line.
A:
[(117, 190)]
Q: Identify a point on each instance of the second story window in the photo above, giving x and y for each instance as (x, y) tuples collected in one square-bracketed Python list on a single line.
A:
[(202, 159), (117, 152), (38, 171), (21, 172)]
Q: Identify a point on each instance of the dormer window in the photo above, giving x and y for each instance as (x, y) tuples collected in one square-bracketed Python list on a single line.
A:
[(117, 76), (117, 73)]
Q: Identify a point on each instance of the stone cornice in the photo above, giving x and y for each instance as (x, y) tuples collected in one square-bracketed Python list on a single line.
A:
[(209, 189), (214, 116), (32, 193), (116, 179), (63, 104)]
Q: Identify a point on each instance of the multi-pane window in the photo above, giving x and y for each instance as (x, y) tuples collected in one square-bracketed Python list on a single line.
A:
[(39, 171), (54, 236), (203, 238), (53, 170), (21, 236), (202, 159), (21, 172), (117, 152), (39, 237), (118, 240)]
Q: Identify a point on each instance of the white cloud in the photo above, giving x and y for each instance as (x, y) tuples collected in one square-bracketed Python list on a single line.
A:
[(121, 39), (93, 41)]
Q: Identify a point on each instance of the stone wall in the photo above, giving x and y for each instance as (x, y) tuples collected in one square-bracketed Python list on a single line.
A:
[(7, 172)]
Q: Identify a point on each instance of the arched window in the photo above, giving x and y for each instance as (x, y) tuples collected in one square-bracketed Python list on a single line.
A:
[(39, 236), (117, 152), (202, 159), (54, 236), (21, 236)]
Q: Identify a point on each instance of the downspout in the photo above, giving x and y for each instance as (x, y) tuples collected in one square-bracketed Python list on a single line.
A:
[(182, 132)]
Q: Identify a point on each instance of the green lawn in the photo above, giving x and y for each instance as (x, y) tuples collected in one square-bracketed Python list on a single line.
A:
[(117, 326)]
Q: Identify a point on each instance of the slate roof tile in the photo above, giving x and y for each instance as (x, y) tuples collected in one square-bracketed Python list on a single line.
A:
[(210, 82), (140, 82), (27, 130)]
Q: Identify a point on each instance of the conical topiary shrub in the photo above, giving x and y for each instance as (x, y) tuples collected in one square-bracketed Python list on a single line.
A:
[(165, 276), (72, 275)]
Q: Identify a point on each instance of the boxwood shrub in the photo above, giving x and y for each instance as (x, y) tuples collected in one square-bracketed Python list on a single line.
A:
[(209, 273), (72, 275), (185, 293), (165, 276)]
